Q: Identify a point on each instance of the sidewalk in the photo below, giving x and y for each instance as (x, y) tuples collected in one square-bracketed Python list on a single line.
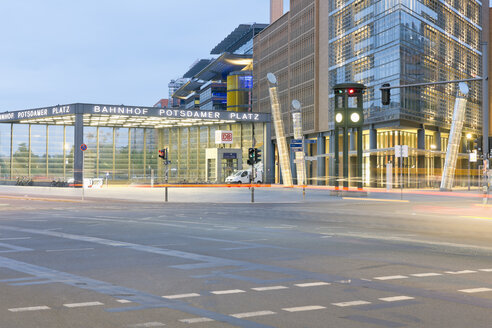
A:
[(273, 194)]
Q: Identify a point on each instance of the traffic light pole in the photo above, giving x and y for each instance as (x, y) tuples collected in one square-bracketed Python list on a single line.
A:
[(166, 178), (359, 158), (345, 158), (337, 158)]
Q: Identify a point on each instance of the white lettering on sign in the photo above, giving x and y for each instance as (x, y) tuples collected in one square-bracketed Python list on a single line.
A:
[(32, 113), (7, 116), (60, 110), (120, 110)]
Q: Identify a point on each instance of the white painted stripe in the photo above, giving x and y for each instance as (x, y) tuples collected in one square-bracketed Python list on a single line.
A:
[(171, 297), (485, 270), (230, 291), (196, 320), (396, 298), (261, 289), (148, 324), (461, 272), (390, 277), (251, 314), (476, 290), (353, 303), (123, 301), (15, 238), (313, 284), (69, 249), (304, 308), (32, 308), (428, 274), (75, 305)]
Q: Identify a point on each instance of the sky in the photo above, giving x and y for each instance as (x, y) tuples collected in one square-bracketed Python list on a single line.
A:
[(108, 51)]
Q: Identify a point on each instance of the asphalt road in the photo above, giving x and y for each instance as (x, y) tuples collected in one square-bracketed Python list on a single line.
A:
[(332, 263)]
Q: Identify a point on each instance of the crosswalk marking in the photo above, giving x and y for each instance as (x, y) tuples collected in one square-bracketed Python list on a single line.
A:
[(196, 320), (313, 284), (123, 301), (75, 305), (304, 308), (230, 291), (476, 290), (148, 324), (390, 277), (428, 274), (172, 297), (31, 308), (261, 289), (461, 272), (353, 303), (485, 270), (396, 298), (251, 314)]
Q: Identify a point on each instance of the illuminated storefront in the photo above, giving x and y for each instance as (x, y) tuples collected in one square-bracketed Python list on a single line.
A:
[(122, 142)]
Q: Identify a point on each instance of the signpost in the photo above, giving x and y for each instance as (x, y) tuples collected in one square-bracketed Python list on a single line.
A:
[(401, 151), (83, 147)]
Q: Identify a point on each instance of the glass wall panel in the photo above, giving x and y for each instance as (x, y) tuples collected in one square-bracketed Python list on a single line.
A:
[(151, 151), (192, 175), (90, 155), (5, 130), (20, 147), (38, 152), (137, 168), (69, 151), (183, 155), (55, 151), (121, 154), (105, 152)]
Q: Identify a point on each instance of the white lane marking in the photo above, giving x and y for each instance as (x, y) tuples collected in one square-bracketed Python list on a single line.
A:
[(353, 303), (396, 298), (75, 305), (196, 320), (428, 274), (475, 290), (260, 289), (312, 284), (172, 297), (148, 324), (251, 314), (123, 301), (485, 270), (32, 308), (15, 238), (461, 272), (230, 291), (390, 277), (304, 308), (70, 249)]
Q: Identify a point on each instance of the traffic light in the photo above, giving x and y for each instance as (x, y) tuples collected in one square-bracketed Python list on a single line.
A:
[(385, 94), (251, 156), (477, 144), (257, 155), (163, 154)]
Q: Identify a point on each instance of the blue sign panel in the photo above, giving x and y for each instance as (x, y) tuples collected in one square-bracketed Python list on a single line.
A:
[(229, 156)]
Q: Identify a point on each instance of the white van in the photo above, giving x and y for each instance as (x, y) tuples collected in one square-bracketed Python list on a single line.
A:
[(243, 176)]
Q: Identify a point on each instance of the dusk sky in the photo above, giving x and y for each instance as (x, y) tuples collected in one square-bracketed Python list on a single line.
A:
[(108, 51)]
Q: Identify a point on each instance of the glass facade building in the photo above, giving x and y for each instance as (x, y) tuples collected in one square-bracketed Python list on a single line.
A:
[(122, 143), (319, 44)]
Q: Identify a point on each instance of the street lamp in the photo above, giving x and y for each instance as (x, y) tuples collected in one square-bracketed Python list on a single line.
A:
[(468, 138)]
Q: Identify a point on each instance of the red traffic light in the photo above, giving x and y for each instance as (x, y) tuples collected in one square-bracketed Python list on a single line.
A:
[(351, 91)]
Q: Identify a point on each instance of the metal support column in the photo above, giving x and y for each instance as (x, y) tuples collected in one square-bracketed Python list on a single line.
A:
[(321, 162), (373, 159), (345, 158), (420, 159), (78, 161), (337, 158)]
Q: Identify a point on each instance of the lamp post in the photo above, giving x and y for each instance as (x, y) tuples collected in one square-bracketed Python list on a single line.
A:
[(299, 156), (468, 138)]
